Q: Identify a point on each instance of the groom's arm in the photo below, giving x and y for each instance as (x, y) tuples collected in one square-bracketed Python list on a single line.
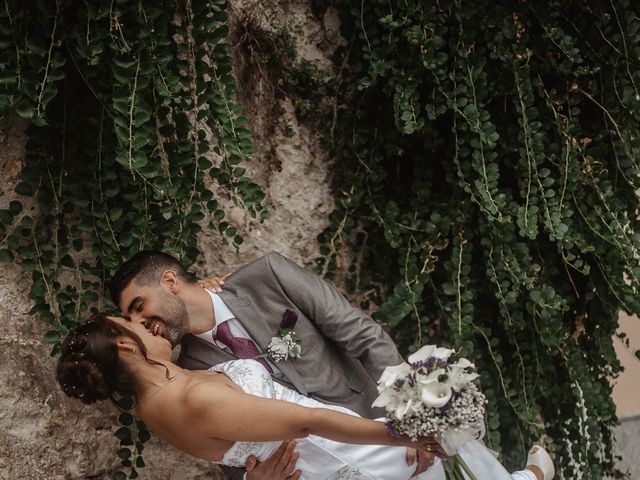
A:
[(352, 329)]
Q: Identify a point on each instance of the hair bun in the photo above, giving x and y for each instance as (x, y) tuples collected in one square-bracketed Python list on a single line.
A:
[(81, 378), (89, 368)]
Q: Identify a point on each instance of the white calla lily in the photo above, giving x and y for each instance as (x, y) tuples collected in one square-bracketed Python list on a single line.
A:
[(430, 351), (458, 374), (391, 374), (458, 378), (422, 354), (464, 363), (442, 353), (435, 394)]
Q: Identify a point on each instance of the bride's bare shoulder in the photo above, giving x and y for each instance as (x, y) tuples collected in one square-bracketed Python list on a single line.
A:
[(203, 387), (181, 399)]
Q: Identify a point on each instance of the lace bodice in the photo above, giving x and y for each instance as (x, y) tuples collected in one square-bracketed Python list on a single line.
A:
[(253, 378)]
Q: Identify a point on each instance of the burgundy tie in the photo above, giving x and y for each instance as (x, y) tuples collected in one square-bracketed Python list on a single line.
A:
[(240, 347)]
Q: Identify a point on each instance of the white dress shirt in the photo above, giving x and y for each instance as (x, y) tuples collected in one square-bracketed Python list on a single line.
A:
[(223, 314)]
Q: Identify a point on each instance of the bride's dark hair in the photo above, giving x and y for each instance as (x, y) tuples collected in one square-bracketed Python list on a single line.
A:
[(90, 368)]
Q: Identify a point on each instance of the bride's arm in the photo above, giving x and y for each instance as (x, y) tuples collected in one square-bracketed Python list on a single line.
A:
[(226, 413)]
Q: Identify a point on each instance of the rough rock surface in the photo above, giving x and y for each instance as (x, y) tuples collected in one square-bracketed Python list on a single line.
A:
[(45, 435), (289, 162)]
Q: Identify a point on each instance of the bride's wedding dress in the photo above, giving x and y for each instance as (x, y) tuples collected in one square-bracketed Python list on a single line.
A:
[(323, 459)]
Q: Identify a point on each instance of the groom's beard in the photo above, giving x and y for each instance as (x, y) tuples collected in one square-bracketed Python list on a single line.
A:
[(174, 318)]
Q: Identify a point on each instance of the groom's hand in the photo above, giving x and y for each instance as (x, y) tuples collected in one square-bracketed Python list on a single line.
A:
[(425, 460), (279, 466)]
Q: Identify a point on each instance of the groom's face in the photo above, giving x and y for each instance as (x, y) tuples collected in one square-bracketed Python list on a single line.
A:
[(157, 308)]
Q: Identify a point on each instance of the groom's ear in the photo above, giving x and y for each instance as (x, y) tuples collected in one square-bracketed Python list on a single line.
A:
[(171, 280)]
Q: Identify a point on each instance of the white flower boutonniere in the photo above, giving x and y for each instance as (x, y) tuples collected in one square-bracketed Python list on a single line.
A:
[(284, 345)]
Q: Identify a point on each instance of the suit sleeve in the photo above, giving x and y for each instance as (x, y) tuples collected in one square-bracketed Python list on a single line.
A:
[(355, 332)]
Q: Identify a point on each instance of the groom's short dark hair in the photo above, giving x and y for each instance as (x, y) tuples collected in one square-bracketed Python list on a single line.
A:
[(145, 268)]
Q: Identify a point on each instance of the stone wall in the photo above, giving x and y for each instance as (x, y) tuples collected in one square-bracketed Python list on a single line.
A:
[(628, 445), (45, 435)]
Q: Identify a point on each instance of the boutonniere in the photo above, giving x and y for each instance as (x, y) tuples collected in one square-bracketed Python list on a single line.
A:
[(284, 345)]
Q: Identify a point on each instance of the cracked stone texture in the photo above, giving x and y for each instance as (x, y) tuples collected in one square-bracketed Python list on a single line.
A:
[(44, 434)]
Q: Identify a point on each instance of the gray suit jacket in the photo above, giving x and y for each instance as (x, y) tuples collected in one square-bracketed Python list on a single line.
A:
[(343, 353)]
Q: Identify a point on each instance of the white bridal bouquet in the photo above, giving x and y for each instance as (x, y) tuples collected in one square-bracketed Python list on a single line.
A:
[(433, 395)]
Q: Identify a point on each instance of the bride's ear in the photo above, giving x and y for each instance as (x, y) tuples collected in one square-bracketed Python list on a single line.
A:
[(126, 346)]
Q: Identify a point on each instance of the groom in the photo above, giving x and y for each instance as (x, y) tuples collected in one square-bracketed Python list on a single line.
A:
[(343, 351)]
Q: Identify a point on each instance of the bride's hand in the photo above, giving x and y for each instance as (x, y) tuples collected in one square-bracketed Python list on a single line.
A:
[(213, 283)]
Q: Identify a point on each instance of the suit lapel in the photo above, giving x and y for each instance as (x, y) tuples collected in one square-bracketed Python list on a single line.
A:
[(205, 352), (261, 331), (248, 315)]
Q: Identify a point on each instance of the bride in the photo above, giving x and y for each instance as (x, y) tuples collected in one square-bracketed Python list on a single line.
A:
[(235, 410)]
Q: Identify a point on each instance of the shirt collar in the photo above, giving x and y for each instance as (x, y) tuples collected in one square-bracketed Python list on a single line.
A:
[(221, 313)]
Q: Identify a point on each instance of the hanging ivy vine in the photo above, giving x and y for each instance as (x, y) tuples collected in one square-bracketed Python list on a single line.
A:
[(488, 159), (134, 125), (488, 170)]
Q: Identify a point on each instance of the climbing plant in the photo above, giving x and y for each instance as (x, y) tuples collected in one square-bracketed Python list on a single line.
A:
[(488, 158), (135, 137), (486, 189)]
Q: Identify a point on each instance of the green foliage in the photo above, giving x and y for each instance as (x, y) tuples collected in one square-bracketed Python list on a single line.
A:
[(134, 125), (487, 160), (488, 170)]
